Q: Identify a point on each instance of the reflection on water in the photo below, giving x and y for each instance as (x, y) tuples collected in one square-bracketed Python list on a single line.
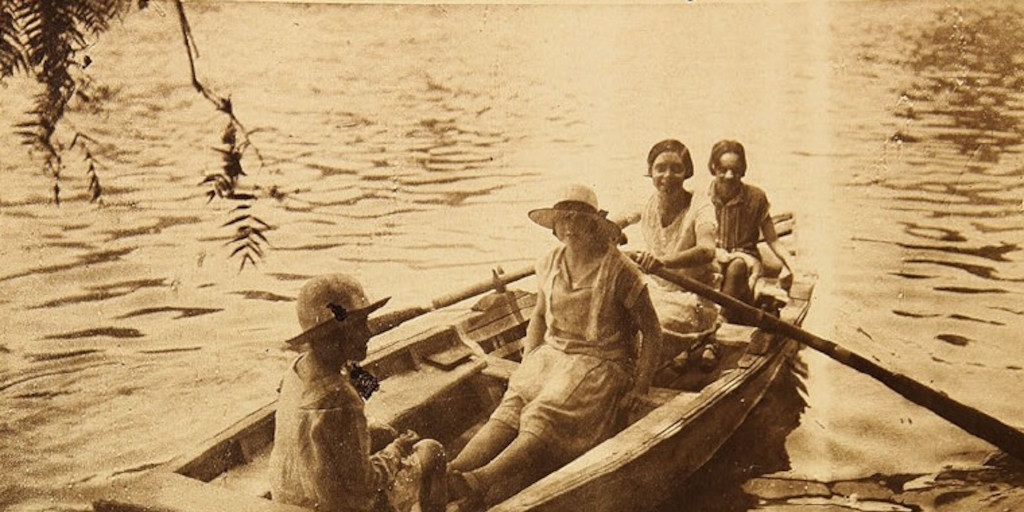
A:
[(970, 73), (757, 448), (965, 95), (412, 160)]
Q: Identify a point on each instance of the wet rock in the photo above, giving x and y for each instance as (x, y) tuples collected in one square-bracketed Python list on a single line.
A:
[(863, 490), (949, 499), (780, 488), (919, 483), (847, 504), (826, 507)]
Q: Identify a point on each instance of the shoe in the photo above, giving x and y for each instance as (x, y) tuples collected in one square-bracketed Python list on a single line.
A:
[(709, 358), (465, 490)]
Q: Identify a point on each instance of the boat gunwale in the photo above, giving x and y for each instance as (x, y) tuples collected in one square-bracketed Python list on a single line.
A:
[(662, 424), (673, 416), (220, 444), (670, 418)]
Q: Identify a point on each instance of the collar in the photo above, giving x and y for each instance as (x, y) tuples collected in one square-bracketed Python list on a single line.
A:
[(739, 198)]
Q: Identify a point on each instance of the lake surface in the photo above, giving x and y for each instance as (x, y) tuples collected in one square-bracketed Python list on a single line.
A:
[(405, 144)]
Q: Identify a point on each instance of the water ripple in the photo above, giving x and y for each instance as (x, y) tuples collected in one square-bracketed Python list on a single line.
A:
[(84, 260), (110, 332)]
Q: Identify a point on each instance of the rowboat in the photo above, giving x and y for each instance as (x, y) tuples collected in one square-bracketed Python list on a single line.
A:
[(443, 382)]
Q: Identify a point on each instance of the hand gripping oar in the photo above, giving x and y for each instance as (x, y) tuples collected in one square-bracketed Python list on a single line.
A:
[(971, 420)]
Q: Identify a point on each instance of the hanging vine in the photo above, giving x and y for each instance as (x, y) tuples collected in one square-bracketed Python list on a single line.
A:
[(248, 238), (43, 39)]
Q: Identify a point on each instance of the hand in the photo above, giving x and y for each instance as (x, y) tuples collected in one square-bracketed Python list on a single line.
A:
[(786, 278), (648, 263), (722, 256), (405, 442)]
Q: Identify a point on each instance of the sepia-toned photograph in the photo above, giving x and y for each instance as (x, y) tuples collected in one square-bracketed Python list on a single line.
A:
[(698, 256)]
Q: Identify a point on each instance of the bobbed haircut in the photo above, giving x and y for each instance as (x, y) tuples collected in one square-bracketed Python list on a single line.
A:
[(727, 146), (674, 146)]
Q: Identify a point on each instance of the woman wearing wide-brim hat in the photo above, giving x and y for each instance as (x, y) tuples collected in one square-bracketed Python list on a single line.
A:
[(582, 356)]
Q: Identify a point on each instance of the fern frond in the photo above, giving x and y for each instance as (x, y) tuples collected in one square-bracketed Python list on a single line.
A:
[(247, 258), (11, 52)]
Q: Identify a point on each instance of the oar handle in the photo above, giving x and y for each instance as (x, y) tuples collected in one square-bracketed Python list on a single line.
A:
[(385, 322), (482, 287), (971, 420)]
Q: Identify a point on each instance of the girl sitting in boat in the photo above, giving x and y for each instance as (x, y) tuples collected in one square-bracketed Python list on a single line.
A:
[(581, 357), (679, 229), (743, 217), (321, 456)]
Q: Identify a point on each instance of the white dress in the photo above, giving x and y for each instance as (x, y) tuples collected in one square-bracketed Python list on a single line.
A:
[(680, 311)]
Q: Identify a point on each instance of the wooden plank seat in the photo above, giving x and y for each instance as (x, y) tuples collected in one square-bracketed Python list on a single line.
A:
[(499, 368), (400, 395)]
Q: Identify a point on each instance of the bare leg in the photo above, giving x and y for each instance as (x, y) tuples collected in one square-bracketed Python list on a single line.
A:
[(518, 466), (492, 438), (736, 285)]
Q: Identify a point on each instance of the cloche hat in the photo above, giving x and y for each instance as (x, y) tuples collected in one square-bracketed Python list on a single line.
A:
[(578, 200)]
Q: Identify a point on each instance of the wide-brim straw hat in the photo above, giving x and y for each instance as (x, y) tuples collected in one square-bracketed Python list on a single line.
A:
[(577, 200), (327, 301)]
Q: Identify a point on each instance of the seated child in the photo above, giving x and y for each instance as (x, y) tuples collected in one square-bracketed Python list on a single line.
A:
[(743, 217)]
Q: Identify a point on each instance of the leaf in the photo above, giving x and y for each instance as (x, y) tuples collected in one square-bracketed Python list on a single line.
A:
[(259, 234), (237, 250), (260, 222), (236, 220), (246, 258), (255, 248)]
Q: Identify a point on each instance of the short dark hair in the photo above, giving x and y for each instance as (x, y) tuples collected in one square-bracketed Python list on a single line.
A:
[(727, 146), (673, 146)]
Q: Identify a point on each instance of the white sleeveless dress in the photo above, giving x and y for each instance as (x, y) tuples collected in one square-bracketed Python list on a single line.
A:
[(680, 311)]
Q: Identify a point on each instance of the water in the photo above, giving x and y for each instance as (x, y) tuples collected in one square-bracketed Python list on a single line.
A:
[(407, 143)]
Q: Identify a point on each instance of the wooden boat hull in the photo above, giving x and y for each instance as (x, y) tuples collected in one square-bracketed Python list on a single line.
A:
[(444, 382), (638, 469)]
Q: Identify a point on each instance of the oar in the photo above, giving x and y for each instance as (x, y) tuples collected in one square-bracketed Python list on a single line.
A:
[(385, 322), (971, 420)]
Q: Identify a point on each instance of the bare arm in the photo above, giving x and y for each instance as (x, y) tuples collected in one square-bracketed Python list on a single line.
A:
[(537, 327), (626, 220), (701, 253), (650, 343), (772, 239)]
